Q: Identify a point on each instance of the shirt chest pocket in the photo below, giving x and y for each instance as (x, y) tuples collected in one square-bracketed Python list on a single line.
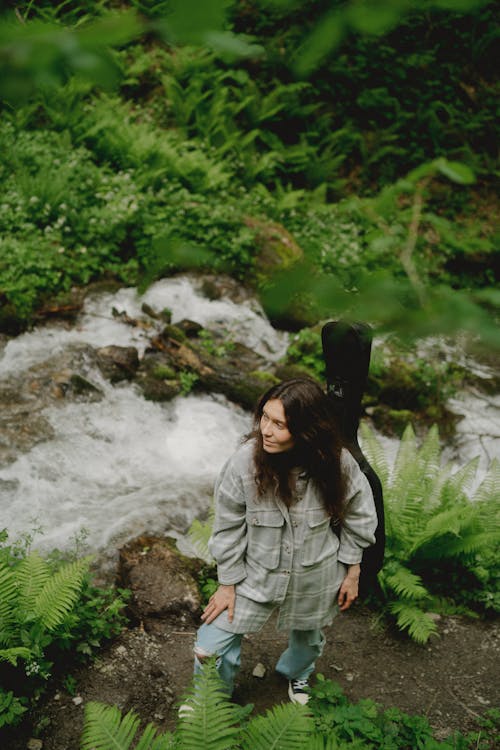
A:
[(264, 529), (320, 541)]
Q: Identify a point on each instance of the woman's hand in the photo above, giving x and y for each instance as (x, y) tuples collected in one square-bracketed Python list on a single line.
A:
[(348, 592), (223, 599)]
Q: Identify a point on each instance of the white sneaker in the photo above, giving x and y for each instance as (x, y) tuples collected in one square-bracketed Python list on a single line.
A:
[(298, 691)]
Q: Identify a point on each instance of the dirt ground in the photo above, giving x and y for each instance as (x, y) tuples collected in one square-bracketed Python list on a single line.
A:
[(452, 681)]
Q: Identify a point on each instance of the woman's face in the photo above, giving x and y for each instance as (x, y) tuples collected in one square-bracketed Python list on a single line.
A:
[(276, 436)]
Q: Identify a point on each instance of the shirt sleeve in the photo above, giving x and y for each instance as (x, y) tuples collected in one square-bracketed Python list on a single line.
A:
[(228, 542), (360, 521)]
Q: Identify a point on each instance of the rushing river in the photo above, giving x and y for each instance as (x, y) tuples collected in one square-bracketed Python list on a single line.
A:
[(123, 466)]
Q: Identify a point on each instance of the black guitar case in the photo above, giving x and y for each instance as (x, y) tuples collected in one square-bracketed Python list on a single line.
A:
[(346, 351)]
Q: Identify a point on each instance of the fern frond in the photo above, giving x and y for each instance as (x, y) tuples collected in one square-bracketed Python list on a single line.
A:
[(287, 725), (406, 453), (403, 582), (449, 522), (60, 593), (461, 481), (430, 452), (374, 452), (418, 623), (199, 535), (8, 597), (106, 729), (13, 654), (32, 574), (465, 545), (212, 725), (489, 489)]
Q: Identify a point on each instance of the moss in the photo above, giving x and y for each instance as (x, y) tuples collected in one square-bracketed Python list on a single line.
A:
[(163, 372), (266, 378)]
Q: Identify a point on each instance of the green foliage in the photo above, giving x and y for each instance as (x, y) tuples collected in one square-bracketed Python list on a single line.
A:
[(105, 728), (47, 607), (365, 725), (330, 722), (187, 380), (305, 350), (435, 533), (11, 708)]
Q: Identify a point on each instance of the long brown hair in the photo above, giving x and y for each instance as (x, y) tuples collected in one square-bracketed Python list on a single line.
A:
[(317, 445)]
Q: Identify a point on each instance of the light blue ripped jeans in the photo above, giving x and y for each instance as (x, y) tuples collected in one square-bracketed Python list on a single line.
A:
[(295, 663)]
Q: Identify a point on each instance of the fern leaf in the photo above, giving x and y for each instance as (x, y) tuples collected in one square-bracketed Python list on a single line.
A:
[(462, 480), (429, 454), (212, 723), (468, 544), (407, 451), (286, 725), (403, 582), (449, 522), (419, 624), (32, 574), (8, 597), (106, 729), (60, 593), (13, 654), (199, 534), (489, 489), (374, 452)]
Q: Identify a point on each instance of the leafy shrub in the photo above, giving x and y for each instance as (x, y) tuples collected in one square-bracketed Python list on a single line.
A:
[(328, 723), (47, 607), (431, 524)]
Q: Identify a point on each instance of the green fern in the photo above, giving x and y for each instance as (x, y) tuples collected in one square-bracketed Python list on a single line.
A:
[(60, 593), (285, 726), (32, 574), (430, 521), (419, 624), (212, 724), (199, 535), (8, 597), (106, 729), (404, 583), (11, 655)]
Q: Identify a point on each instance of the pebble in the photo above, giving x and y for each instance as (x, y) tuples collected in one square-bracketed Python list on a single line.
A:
[(121, 650), (349, 676), (78, 700), (259, 670), (34, 744)]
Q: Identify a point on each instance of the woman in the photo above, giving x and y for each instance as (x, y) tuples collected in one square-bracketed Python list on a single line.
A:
[(293, 514)]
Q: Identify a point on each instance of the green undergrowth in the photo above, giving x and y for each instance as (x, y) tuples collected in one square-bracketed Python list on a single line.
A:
[(198, 158), (330, 722), (52, 619)]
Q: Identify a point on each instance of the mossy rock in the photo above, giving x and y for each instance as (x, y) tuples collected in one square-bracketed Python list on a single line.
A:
[(276, 248)]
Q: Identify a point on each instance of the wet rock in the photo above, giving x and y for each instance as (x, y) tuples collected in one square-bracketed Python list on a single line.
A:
[(162, 581), (189, 327), (118, 362), (165, 315)]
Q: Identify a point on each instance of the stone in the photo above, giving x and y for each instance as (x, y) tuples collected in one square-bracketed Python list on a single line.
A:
[(259, 670), (34, 744), (118, 362), (77, 700)]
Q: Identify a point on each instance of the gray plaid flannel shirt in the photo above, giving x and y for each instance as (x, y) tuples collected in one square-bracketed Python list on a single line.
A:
[(285, 559)]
